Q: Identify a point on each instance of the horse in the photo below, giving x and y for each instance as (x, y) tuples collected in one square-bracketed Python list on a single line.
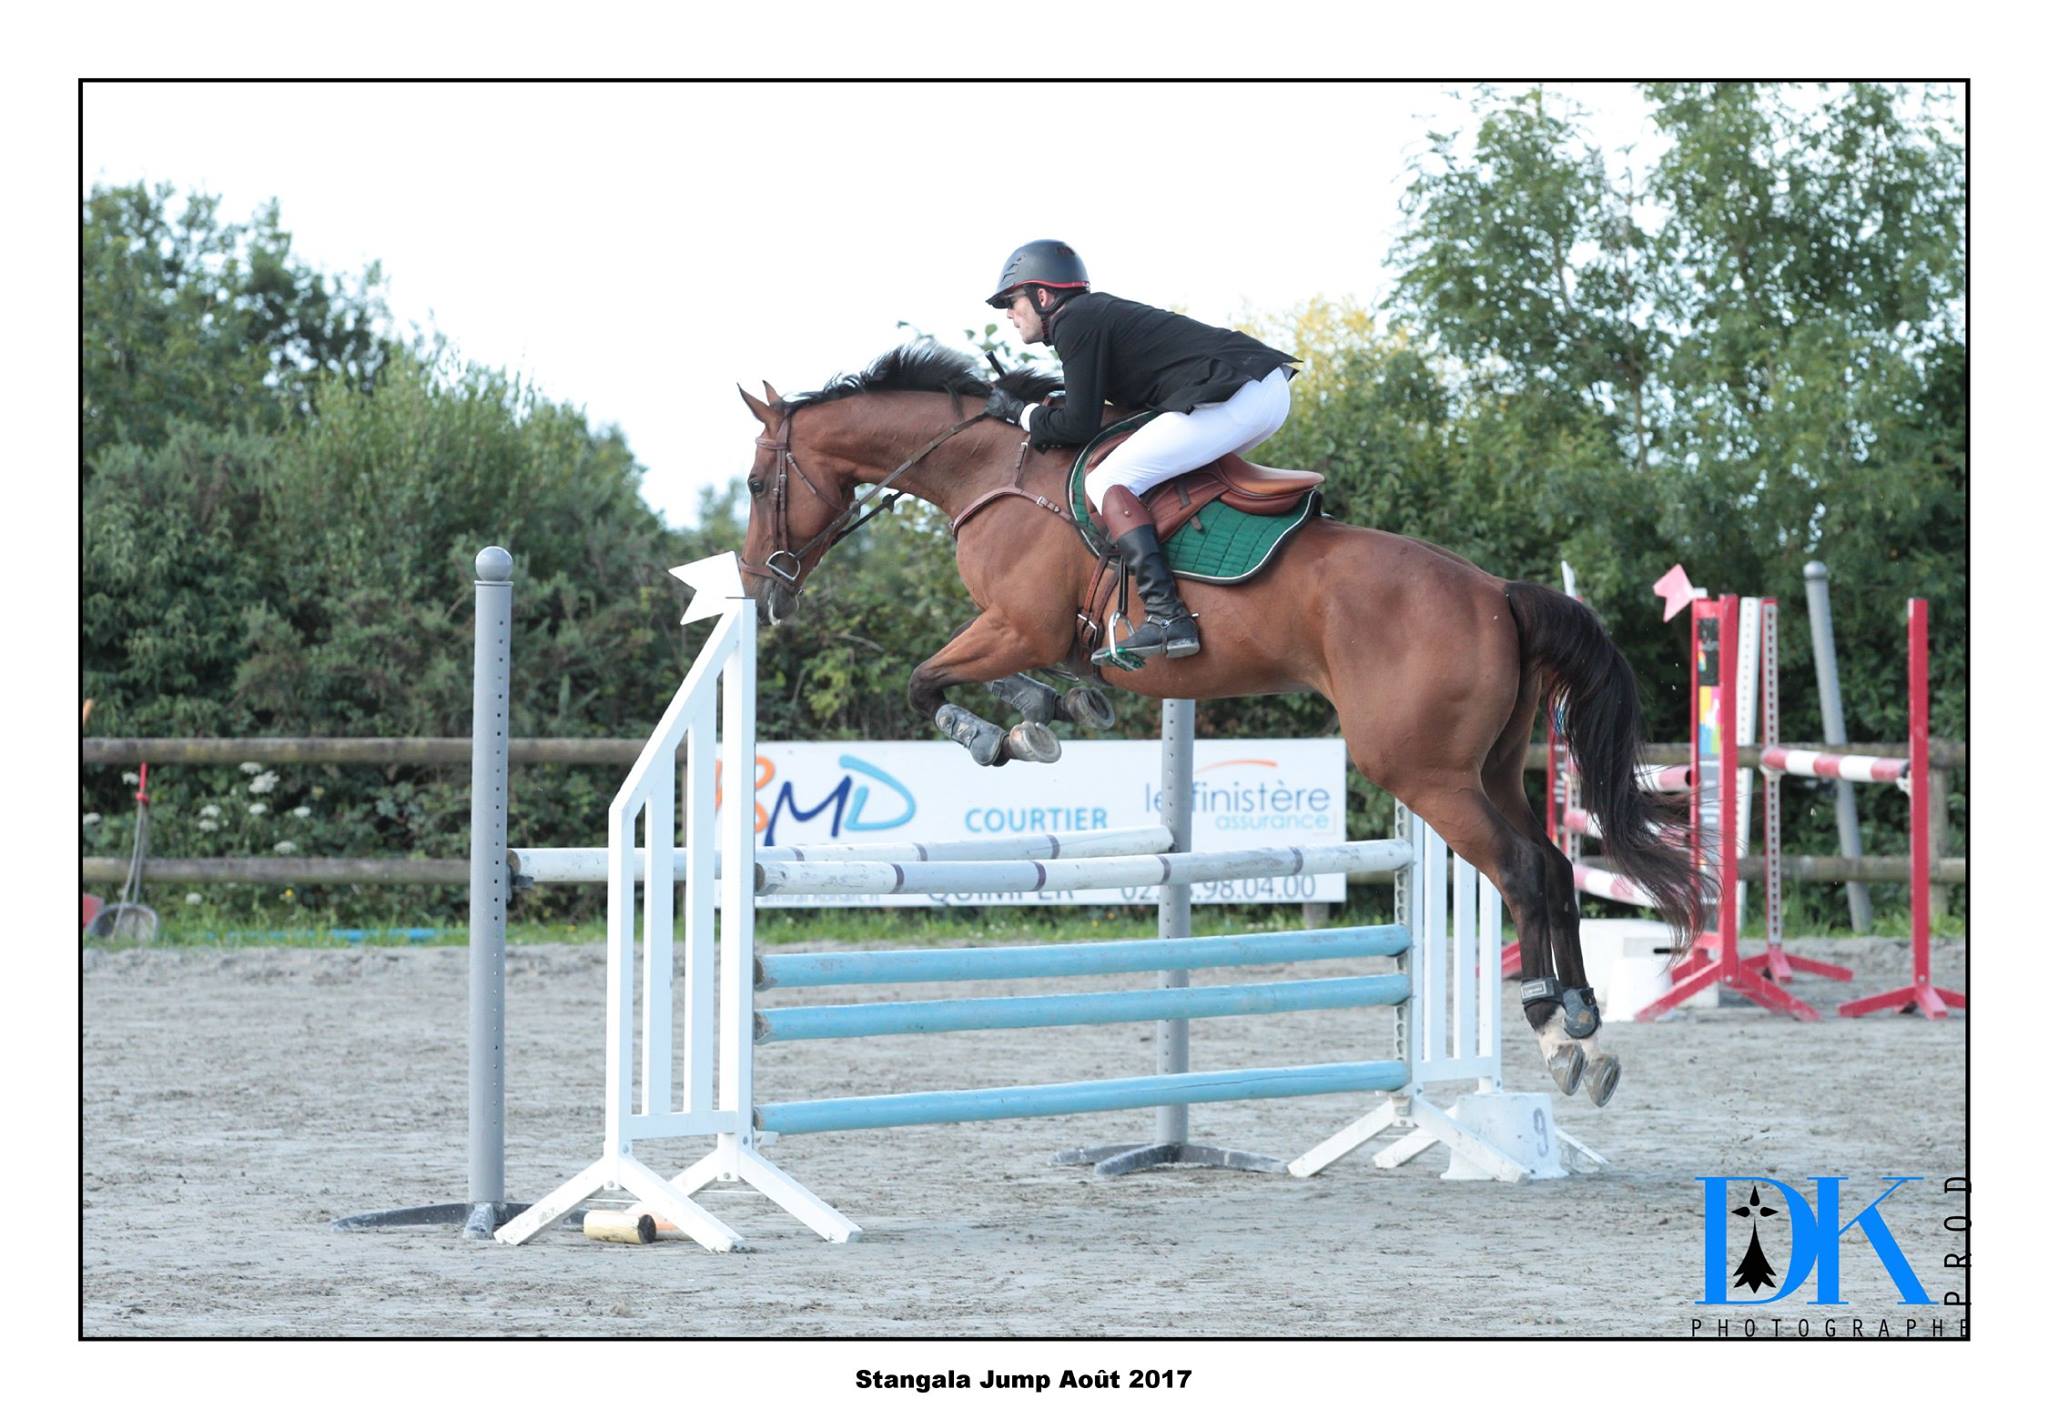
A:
[(1436, 668)]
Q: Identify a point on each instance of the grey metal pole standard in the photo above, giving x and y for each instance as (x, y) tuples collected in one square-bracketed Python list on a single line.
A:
[(490, 891), (490, 885), (1834, 727), (1170, 1128), (1177, 816), (490, 786)]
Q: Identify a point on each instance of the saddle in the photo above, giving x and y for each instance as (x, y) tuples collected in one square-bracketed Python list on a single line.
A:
[(1231, 480)]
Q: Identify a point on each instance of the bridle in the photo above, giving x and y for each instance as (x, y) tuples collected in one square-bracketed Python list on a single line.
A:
[(844, 524)]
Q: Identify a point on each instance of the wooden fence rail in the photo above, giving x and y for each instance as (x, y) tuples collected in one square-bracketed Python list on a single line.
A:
[(454, 872), (595, 752), (287, 871)]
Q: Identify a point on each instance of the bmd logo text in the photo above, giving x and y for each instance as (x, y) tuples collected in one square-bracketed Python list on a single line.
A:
[(847, 799), (1765, 1241)]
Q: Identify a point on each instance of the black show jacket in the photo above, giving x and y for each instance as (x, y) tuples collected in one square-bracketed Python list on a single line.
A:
[(1140, 357)]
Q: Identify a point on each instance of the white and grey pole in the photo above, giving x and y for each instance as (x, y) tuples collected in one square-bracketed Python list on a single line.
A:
[(490, 786)]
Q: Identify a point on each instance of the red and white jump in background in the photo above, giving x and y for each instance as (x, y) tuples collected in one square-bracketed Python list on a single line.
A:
[(1723, 659)]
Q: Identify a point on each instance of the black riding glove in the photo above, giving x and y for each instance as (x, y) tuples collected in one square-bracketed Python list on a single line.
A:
[(1005, 406)]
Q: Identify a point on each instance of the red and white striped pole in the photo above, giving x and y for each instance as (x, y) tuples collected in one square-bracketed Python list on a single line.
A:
[(1777, 963)]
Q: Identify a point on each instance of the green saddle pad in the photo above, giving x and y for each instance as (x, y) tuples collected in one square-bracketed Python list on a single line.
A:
[(1221, 544)]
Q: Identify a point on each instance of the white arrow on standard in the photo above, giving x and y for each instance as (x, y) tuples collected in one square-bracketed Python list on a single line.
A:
[(715, 580)]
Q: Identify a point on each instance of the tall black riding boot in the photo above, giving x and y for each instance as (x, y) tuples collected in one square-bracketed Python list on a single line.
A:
[(1169, 625)]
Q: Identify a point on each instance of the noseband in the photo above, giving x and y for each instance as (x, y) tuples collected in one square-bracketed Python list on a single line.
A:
[(787, 565)]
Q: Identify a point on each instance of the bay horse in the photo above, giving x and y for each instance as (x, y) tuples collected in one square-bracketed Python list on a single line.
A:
[(1437, 669)]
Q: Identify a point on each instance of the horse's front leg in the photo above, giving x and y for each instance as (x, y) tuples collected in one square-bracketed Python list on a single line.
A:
[(988, 649), (1084, 703)]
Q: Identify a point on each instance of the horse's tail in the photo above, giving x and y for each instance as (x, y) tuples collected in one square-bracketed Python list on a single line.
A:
[(1646, 835)]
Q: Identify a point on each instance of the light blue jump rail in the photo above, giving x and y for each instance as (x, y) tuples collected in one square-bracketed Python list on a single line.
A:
[(983, 963), (1089, 1096)]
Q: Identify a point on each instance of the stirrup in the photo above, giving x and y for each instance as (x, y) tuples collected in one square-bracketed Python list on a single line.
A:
[(1110, 654), (1124, 657)]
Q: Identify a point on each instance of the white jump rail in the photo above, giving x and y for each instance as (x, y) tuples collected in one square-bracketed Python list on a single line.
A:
[(593, 864), (1152, 870)]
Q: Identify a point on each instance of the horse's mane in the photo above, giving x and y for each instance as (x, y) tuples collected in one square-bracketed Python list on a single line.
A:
[(928, 367)]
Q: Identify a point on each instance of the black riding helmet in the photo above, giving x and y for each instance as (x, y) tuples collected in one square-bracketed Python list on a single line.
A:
[(1040, 263)]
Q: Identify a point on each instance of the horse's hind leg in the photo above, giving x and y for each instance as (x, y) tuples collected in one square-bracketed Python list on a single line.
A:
[(1552, 951), (1476, 830)]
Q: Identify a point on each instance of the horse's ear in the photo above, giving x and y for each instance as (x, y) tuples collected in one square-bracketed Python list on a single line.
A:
[(761, 411), (773, 397)]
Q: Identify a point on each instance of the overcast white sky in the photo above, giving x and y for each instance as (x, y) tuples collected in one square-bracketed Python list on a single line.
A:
[(638, 250)]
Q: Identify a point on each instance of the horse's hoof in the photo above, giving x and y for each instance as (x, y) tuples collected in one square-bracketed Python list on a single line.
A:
[(982, 740), (1566, 1065), (1601, 1079), (1033, 743), (1088, 707)]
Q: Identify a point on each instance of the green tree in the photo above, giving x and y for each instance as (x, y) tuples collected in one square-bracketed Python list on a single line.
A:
[(316, 580), (220, 325), (1752, 358)]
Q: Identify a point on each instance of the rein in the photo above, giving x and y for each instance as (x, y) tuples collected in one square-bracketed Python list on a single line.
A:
[(845, 524)]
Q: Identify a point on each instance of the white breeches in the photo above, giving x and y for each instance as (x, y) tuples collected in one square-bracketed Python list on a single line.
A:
[(1171, 444)]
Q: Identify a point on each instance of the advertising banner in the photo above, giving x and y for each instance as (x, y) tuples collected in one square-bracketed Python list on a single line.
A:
[(1248, 793)]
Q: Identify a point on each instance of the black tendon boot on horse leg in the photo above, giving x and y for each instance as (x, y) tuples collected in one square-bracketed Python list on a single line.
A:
[(1169, 625), (1566, 1020), (1040, 703)]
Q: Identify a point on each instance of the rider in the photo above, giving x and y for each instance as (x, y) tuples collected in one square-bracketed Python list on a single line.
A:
[(1219, 391)]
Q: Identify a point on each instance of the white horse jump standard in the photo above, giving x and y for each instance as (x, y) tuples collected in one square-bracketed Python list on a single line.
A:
[(1448, 994)]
